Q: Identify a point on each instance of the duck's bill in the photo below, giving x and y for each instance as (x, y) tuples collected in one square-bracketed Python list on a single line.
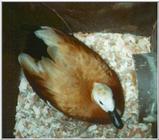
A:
[(116, 119)]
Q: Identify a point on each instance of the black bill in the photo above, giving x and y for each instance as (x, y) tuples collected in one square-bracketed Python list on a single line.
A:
[(116, 119)]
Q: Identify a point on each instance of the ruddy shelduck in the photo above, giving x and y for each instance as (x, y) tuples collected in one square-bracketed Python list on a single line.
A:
[(75, 79)]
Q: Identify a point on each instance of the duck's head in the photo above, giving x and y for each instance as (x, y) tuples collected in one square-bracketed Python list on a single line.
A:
[(103, 96)]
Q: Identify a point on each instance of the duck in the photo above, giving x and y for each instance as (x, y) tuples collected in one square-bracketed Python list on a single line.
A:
[(74, 79)]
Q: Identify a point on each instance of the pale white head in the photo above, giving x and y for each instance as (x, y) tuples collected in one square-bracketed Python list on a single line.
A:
[(103, 96)]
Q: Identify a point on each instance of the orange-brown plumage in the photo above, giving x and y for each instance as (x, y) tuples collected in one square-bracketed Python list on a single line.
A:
[(66, 78)]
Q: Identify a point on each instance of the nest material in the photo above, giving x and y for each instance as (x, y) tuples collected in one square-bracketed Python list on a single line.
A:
[(38, 119)]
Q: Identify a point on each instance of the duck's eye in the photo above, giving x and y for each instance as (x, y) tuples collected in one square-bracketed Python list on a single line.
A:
[(100, 102)]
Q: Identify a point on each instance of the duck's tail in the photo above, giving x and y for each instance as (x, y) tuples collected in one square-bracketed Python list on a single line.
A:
[(28, 63)]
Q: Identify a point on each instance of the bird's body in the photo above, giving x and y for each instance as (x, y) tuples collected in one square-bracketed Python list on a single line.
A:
[(66, 79)]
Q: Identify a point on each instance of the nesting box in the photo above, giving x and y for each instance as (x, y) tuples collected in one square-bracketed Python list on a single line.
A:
[(21, 19)]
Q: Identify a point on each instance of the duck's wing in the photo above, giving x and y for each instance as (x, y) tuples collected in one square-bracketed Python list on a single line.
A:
[(65, 49), (56, 77), (67, 72)]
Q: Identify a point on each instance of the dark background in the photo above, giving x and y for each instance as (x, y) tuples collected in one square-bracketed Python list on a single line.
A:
[(20, 19)]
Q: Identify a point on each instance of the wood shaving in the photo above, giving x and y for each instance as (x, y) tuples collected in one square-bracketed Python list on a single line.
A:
[(38, 119)]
